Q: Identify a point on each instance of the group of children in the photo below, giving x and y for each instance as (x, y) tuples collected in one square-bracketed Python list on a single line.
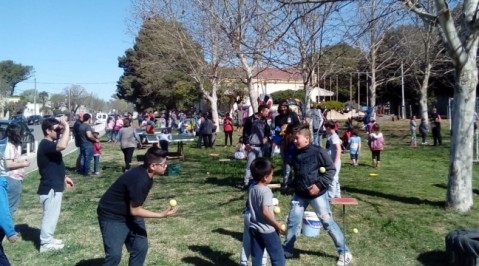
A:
[(315, 182), (311, 185)]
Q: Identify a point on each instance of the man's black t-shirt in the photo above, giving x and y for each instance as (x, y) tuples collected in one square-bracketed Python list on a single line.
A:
[(51, 168), (76, 132), (84, 128), (132, 187)]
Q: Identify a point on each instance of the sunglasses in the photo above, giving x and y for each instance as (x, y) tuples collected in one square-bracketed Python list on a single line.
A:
[(59, 130), (164, 165)]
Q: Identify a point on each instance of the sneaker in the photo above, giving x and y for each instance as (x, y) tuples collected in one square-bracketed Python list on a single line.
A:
[(345, 258), (50, 247), (288, 255), (96, 173), (56, 241)]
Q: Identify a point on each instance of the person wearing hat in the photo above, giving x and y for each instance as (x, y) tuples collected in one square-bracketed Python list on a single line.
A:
[(285, 120)]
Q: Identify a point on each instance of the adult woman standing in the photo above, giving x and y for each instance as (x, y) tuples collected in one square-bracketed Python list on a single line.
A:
[(128, 141), (15, 165), (228, 129), (110, 124), (116, 128)]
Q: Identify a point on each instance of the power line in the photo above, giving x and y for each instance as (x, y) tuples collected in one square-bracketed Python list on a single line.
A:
[(68, 83)]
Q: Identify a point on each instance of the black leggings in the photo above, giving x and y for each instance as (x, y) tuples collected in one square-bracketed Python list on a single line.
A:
[(128, 154), (230, 136), (376, 155)]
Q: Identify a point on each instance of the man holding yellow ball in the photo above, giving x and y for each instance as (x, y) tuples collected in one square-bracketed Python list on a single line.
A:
[(121, 213)]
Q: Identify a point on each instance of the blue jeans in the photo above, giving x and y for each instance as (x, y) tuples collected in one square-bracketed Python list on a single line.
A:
[(109, 134), (335, 188), (272, 243), (317, 137), (14, 194), (131, 233), (86, 155), (256, 152), (96, 163), (322, 209), (246, 249)]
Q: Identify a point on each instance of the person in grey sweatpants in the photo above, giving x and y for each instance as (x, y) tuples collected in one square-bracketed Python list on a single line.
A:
[(52, 179)]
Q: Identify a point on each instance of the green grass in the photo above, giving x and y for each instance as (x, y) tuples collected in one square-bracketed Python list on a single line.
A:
[(400, 217)]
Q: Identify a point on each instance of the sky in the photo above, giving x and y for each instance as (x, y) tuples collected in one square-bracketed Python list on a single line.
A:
[(67, 42)]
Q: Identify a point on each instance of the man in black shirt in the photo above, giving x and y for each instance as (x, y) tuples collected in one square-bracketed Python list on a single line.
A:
[(121, 213), (52, 179), (256, 134)]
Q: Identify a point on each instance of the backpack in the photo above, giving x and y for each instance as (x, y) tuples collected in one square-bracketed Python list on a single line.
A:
[(462, 247)]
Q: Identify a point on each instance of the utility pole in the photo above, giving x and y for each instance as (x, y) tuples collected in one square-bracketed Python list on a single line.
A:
[(35, 96), (403, 105)]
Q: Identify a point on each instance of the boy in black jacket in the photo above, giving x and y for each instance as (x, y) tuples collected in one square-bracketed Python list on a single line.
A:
[(313, 172)]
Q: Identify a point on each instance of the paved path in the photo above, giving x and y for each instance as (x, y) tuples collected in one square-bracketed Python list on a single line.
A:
[(71, 148)]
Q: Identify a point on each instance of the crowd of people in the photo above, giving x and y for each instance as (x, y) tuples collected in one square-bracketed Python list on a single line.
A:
[(309, 170)]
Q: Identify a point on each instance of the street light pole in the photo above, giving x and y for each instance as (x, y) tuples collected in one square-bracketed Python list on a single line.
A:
[(35, 96), (403, 104)]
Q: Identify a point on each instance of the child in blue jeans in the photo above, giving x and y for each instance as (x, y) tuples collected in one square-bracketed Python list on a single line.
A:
[(96, 154), (313, 173), (246, 248), (263, 227)]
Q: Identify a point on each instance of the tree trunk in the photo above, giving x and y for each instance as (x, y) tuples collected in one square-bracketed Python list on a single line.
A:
[(459, 192), (253, 94), (424, 87)]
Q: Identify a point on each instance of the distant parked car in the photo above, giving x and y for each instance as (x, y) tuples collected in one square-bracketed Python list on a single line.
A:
[(18, 118), (34, 120), (25, 132), (47, 116), (60, 116)]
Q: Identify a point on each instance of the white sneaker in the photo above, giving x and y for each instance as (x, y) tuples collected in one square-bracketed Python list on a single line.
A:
[(56, 241), (345, 258), (50, 247)]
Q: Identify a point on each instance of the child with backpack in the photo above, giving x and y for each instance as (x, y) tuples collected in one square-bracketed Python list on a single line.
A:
[(376, 145)]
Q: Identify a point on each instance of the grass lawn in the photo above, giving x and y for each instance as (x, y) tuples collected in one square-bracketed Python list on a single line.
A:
[(401, 219)]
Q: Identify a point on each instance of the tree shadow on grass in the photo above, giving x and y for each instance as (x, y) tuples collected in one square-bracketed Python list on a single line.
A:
[(29, 234), (222, 182), (90, 262), (433, 258), (444, 186), (236, 235), (214, 257), (407, 200)]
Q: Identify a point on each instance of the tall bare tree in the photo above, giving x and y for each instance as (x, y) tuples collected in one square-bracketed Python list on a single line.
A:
[(203, 64), (74, 96), (461, 39), (252, 29), (303, 44)]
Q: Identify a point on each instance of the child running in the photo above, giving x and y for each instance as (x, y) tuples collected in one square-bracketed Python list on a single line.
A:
[(313, 173), (96, 154), (354, 147), (263, 227), (376, 144)]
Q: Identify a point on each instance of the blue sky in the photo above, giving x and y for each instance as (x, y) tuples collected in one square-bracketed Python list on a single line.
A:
[(67, 42)]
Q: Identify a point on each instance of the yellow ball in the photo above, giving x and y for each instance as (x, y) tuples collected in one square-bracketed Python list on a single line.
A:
[(283, 227), (322, 170), (355, 230), (172, 203), (276, 209)]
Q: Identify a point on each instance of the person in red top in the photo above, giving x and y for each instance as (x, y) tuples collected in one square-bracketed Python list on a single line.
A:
[(96, 154), (228, 129)]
